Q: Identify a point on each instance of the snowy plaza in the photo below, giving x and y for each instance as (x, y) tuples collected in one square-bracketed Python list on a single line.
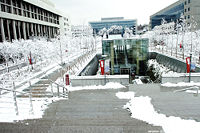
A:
[(109, 76)]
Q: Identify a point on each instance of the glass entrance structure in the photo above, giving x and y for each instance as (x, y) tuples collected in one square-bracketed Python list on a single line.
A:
[(126, 55)]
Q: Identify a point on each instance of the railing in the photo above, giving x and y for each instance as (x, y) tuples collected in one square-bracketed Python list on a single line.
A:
[(7, 97), (14, 98), (176, 54), (196, 88), (64, 90)]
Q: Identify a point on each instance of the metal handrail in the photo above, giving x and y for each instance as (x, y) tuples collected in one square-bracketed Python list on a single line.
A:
[(190, 88), (14, 91), (65, 90)]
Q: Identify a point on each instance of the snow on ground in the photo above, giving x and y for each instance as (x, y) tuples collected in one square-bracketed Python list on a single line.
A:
[(8, 113), (47, 57), (7, 108), (178, 44), (192, 87), (110, 85), (159, 69), (142, 109), (192, 91), (138, 81), (181, 84)]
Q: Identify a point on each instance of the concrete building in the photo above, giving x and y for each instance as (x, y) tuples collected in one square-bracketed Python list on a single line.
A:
[(116, 21), (189, 8), (22, 19)]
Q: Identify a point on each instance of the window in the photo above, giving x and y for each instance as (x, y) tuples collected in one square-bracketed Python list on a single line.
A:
[(188, 9), (188, 1), (188, 16), (185, 2), (185, 17), (185, 10)]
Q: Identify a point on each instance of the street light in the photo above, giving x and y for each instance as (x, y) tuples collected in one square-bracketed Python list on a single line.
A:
[(190, 68)]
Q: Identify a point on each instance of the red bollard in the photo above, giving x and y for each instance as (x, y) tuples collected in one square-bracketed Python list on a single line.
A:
[(67, 79)]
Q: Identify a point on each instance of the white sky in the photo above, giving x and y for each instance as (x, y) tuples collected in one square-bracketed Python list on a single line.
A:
[(82, 11)]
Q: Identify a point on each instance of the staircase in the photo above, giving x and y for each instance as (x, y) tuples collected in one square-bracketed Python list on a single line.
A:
[(43, 89)]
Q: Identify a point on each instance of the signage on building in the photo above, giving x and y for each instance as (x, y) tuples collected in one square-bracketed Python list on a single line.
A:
[(188, 64), (102, 66)]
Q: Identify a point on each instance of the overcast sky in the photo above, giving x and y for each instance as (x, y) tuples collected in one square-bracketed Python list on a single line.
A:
[(82, 11)]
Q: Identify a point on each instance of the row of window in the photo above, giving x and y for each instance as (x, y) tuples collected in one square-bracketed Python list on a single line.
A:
[(187, 17), (27, 10), (187, 9), (10, 30), (187, 2)]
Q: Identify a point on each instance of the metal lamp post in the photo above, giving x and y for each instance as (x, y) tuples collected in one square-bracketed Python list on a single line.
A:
[(190, 68)]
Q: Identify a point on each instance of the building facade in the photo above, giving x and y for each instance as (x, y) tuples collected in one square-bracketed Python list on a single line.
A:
[(116, 21), (81, 30), (190, 9), (23, 19)]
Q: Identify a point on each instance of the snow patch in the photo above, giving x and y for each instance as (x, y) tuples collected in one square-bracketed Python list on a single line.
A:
[(142, 109), (180, 84), (109, 85), (8, 113)]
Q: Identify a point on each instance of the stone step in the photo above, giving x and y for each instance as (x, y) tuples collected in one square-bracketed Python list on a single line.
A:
[(40, 85)]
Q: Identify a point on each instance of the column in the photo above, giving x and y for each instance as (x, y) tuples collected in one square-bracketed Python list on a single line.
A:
[(38, 30), (8, 28), (18, 26), (35, 28), (37, 12), (32, 33), (24, 30), (22, 10), (2, 30), (17, 10), (48, 17), (112, 57), (11, 3), (43, 14), (53, 32), (28, 29), (30, 10), (44, 32), (41, 29), (14, 29), (0, 6), (48, 31)]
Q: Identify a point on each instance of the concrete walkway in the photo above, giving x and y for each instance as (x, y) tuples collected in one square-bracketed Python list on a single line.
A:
[(94, 111)]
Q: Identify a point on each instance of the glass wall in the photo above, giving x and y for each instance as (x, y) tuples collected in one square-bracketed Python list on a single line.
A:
[(169, 15), (126, 54)]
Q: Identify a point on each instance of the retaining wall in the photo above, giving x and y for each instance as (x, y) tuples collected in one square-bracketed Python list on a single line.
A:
[(174, 64), (91, 67), (98, 80), (180, 77)]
